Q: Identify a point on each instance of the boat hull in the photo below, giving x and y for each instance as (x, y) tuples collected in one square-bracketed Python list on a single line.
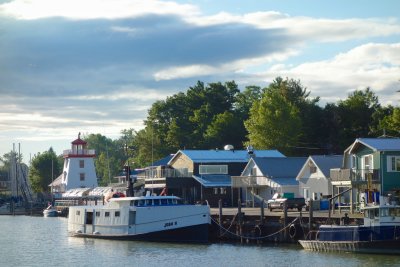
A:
[(376, 247), (190, 234), (50, 213)]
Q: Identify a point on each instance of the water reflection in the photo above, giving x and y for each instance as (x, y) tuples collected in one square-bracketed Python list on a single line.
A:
[(36, 241)]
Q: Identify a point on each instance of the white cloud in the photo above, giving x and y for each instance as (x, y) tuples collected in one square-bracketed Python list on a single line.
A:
[(371, 65), (307, 28), (93, 9)]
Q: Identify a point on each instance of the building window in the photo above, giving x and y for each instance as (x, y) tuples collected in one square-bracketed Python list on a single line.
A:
[(97, 213), (82, 176), (313, 169), (253, 171), (215, 190), (223, 190), (213, 169), (81, 163), (393, 163)]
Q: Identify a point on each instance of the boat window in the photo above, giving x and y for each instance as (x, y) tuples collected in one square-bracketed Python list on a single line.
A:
[(163, 202), (132, 203), (141, 202), (169, 201), (394, 212), (97, 213), (384, 212), (174, 201), (78, 212), (117, 213), (376, 213), (156, 202), (107, 214), (148, 202)]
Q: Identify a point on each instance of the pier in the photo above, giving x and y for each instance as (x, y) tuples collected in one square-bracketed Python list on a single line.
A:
[(259, 225)]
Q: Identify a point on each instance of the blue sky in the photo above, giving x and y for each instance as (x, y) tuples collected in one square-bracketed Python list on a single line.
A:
[(96, 66)]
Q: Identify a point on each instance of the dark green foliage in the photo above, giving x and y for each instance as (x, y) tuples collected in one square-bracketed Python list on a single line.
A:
[(44, 168)]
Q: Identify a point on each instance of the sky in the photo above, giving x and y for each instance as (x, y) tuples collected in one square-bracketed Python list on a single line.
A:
[(97, 66)]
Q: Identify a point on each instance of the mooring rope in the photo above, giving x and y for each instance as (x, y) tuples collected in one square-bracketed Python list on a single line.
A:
[(251, 237)]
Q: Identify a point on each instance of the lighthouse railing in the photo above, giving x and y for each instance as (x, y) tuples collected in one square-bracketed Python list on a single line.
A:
[(74, 152)]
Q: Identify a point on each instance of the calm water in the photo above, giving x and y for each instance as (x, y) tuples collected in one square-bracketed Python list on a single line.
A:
[(37, 241)]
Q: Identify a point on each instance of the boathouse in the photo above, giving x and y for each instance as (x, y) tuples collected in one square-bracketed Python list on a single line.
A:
[(263, 177), (200, 175), (314, 176), (371, 167)]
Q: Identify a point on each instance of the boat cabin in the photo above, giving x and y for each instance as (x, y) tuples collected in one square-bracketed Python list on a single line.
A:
[(382, 215), (145, 201)]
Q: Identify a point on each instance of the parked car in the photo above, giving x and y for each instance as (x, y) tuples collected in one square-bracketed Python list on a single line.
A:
[(277, 202)]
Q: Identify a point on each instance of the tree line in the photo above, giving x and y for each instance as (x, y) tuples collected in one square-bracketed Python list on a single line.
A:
[(280, 116)]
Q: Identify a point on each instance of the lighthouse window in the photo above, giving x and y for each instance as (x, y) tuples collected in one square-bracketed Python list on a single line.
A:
[(82, 176), (81, 164)]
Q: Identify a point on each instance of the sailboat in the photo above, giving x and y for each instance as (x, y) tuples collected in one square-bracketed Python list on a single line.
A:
[(51, 211)]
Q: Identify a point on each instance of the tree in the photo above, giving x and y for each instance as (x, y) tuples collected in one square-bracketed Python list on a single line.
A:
[(42, 170), (274, 123), (356, 116), (226, 128)]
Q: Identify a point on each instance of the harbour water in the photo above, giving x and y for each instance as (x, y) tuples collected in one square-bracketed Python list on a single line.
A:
[(38, 241)]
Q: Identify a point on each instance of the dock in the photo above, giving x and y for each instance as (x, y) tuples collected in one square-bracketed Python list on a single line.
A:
[(258, 225)]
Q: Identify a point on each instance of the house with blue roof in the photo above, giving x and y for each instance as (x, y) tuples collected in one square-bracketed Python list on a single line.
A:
[(371, 167), (314, 177), (199, 175), (263, 177)]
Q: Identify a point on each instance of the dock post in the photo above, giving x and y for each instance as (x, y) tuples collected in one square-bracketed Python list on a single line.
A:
[(262, 211), (240, 219), (220, 216), (285, 208), (311, 211)]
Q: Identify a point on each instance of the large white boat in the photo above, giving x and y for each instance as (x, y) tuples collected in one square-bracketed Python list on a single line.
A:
[(150, 218)]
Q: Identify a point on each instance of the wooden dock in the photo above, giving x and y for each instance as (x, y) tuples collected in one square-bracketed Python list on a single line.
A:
[(257, 225)]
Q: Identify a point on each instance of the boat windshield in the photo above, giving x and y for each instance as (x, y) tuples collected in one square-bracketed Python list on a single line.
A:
[(382, 212), (155, 202)]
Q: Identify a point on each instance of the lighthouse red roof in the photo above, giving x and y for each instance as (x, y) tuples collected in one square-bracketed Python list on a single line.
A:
[(79, 141)]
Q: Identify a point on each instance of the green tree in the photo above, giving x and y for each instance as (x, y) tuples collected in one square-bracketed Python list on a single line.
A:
[(274, 123), (226, 128), (356, 116), (43, 168)]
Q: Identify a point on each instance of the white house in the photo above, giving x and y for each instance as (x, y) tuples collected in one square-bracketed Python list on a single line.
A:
[(263, 177), (314, 176)]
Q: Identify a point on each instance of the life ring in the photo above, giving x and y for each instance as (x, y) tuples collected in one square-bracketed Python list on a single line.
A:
[(292, 231)]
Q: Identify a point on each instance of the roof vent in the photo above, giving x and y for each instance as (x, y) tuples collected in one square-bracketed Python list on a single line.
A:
[(228, 147), (250, 149)]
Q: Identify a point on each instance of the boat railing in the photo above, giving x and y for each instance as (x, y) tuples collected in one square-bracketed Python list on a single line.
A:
[(312, 235)]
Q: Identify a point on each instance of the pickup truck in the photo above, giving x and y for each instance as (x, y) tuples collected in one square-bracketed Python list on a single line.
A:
[(291, 203)]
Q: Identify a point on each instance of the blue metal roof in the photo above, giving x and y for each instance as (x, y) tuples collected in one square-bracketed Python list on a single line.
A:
[(163, 161), (379, 144), (280, 167), (207, 156), (328, 162), (214, 180)]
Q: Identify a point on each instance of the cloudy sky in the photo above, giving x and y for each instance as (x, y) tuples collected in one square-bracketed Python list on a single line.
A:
[(96, 66)]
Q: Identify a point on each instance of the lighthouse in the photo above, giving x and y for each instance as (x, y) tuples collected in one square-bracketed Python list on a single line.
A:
[(79, 170)]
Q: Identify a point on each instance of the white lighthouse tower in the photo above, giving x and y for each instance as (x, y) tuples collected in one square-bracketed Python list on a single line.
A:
[(79, 170)]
